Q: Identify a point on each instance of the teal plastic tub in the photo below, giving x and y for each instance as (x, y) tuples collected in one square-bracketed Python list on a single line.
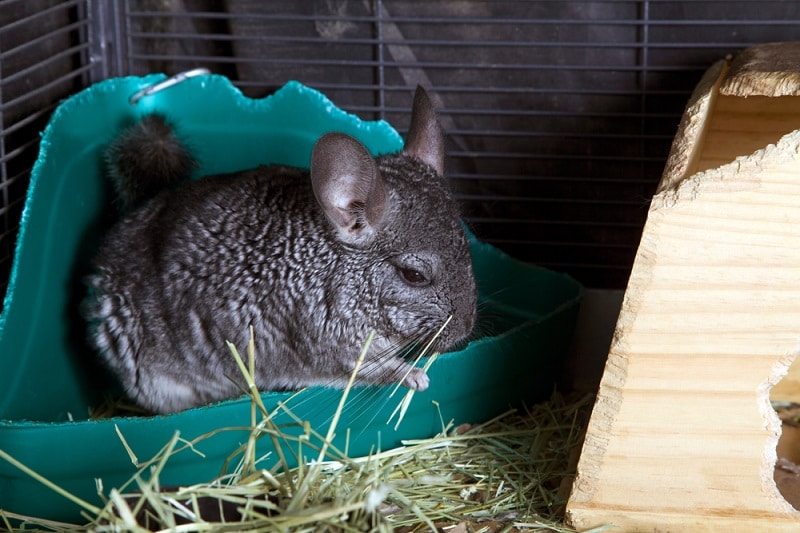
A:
[(49, 378)]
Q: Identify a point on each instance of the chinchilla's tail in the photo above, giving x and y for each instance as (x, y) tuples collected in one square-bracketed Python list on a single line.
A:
[(145, 158)]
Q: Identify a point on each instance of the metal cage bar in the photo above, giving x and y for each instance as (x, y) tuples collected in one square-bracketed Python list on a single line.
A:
[(41, 62), (559, 115)]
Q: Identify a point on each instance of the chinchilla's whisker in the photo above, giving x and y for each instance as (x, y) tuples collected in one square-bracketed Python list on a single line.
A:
[(362, 399), (486, 323), (357, 407), (497, 293), (484, 327)]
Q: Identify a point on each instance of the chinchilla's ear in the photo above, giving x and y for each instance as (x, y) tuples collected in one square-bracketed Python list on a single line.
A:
[(425, 140), (348, 186)]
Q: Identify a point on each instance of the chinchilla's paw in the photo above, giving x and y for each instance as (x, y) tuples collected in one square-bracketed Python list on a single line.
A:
[(417, 379)]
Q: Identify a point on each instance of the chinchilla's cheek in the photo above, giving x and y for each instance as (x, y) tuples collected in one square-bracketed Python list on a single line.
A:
[(391, 291)]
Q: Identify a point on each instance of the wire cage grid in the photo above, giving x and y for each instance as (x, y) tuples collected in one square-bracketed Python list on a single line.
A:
[(559, 115)]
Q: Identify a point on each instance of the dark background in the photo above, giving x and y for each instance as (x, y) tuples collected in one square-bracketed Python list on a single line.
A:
[(559, 115)]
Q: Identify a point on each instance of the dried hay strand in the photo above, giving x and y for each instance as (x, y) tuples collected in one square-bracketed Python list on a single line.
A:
[(512, 473)]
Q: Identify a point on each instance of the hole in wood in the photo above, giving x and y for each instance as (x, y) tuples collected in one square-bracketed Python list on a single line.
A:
[(785, 398)]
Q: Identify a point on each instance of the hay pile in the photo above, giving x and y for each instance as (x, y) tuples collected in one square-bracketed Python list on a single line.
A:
[(509, 474)]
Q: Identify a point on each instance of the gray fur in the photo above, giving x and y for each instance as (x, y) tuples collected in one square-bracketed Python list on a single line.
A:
[(314, 264)]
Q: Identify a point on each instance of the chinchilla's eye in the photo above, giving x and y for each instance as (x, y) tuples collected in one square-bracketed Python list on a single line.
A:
[(413, 277)]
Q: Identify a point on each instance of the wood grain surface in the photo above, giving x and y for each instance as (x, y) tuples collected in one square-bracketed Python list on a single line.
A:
[(683, 434)]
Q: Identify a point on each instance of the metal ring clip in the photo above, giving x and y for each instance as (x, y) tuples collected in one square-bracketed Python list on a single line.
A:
[(169, 82)]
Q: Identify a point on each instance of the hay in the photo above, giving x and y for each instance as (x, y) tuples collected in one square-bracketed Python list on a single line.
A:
[(508, 474)]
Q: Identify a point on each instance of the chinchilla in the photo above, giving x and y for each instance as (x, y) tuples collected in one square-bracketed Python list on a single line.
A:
[(313, 260)]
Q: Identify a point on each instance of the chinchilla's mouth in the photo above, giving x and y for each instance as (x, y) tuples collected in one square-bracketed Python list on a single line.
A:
[(409, 351)]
